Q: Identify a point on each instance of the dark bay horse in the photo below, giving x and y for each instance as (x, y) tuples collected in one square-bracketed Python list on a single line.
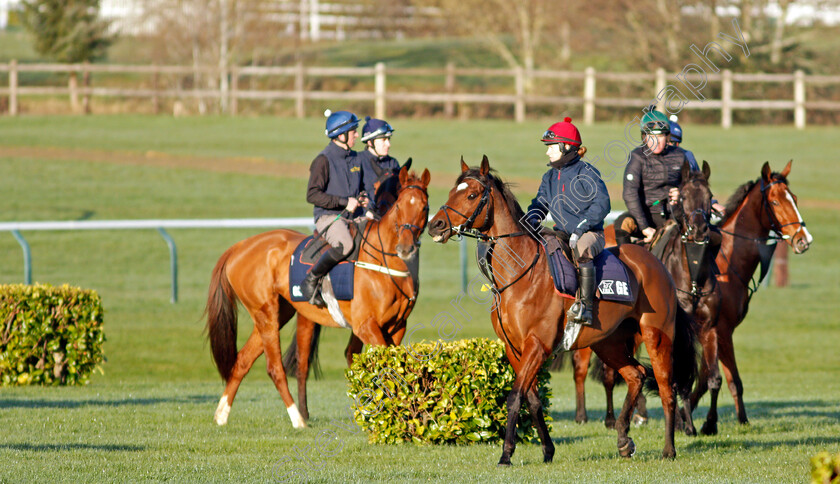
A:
[(529, 316), (255, 272), (756, 209)]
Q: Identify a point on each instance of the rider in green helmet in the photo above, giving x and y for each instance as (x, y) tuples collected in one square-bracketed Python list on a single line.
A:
[(651, 178)]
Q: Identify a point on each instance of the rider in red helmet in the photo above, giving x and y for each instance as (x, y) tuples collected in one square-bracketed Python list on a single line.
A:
[(573, 192)]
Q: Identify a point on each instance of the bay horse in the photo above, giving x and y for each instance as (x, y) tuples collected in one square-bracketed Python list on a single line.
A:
[(760, 211), (255, 272), (529, 316)]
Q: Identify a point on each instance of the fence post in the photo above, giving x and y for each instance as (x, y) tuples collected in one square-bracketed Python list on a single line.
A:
[(73, 86), (519, 103), (13, 85), (379, 90), (799, 99), (780, 265), (589, 96), (86, 87), (660, 85), (300, 94), (449, 85), (155, 87), (234, 90), (726, 100)]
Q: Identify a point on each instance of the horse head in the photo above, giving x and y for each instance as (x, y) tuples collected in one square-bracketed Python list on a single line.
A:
[(781, 205), (695, 203), (469, 205), (410, 211)]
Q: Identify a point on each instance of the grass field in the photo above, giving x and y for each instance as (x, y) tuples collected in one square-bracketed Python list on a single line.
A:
[(149, 416)]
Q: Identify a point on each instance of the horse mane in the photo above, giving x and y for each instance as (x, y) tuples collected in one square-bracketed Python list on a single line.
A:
[(503, 188), (741, 193)]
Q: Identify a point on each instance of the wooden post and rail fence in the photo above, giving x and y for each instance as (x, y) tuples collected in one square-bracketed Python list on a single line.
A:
[(230, 93)]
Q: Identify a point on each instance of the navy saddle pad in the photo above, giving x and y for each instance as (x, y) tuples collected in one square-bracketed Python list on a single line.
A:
[(341, 276), (610, 273)]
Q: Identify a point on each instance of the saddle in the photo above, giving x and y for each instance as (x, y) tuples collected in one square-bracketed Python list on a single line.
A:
[(341, 276), (661, 238), (611, 276)]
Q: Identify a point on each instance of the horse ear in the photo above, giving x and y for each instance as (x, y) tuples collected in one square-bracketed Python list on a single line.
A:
[(485, 166), (464, 166), (685, 171), (786, 171), (707, 170), (407, 163), (403, 176), (426, 177), (765, 172)]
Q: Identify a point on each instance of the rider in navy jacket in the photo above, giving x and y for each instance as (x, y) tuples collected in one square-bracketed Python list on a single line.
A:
[(577, 198)]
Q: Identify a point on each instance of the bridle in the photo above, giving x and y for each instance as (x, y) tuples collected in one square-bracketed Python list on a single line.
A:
[(688, 237)]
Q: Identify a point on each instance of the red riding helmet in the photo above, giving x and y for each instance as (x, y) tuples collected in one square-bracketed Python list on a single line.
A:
[(563, 132)]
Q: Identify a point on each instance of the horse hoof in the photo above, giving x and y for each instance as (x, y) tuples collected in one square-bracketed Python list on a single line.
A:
[(691, 431), (638, 420), (627, 450), (581, 420), (503, 462), (709, 428), (670, 454)]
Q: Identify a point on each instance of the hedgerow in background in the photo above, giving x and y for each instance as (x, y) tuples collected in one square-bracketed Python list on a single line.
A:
[(455, 393), (825, 468), (49, 335)]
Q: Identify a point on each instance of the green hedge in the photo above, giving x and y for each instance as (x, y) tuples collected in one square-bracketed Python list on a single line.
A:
[(452, 393), (825, 468), (49, 335)]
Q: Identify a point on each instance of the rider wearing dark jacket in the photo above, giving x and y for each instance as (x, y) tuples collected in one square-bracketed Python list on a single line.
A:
[(377, 137), (335, 186), (575, 195), (652, 175)]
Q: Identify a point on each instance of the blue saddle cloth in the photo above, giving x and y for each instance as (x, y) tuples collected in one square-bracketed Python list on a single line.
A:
[(610, 274), (341, 276)]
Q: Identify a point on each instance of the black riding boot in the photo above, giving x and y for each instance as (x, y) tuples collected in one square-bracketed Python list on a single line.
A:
[(621, 237), (310, 287), (586, 279)]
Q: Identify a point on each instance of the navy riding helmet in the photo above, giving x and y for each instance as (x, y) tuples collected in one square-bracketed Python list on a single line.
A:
[(340, 122), (375, 128), (676, 130)]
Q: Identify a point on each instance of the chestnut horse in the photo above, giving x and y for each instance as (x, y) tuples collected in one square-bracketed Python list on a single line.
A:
[(756, 209), (529, 316), (255, 272)]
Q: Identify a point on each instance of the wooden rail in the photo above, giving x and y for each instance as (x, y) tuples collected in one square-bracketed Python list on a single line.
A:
[(517, 95)]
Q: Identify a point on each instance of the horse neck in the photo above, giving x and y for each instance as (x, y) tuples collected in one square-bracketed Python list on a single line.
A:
[(525, 247), (382, 233), (747, 221)]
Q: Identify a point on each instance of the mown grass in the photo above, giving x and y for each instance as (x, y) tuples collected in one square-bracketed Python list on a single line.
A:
[(149, 417)]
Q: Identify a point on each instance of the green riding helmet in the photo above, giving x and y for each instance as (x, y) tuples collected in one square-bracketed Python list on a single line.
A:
[(655, 122)]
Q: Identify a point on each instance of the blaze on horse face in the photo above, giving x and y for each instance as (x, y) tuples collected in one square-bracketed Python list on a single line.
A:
[(412, 198), (784, 214), (695, 203), (465, 198)]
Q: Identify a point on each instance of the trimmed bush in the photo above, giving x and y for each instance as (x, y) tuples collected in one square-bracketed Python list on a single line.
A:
[(454, 393), (49, 335), (825, 468)]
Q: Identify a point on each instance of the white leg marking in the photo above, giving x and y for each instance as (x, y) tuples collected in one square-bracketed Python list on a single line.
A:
[(222, 411), (297, 418)]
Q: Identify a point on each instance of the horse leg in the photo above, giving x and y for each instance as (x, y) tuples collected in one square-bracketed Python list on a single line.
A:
[(733, 378), (660, 349), (536, 409), (641, 416), (369, 332), (354, 347), (616, 357), (532, 359), (609, 386), (580, 365), (244, 360), (269, 318), (712, 380), (305, 328)]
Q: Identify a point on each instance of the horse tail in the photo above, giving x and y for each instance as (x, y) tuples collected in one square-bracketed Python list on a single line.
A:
[(598, 372), (685, 356), (222, 317), (559, 361), (290, 356)]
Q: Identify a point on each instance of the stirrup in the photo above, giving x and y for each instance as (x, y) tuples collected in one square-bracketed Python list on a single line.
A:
[(577, 312)]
